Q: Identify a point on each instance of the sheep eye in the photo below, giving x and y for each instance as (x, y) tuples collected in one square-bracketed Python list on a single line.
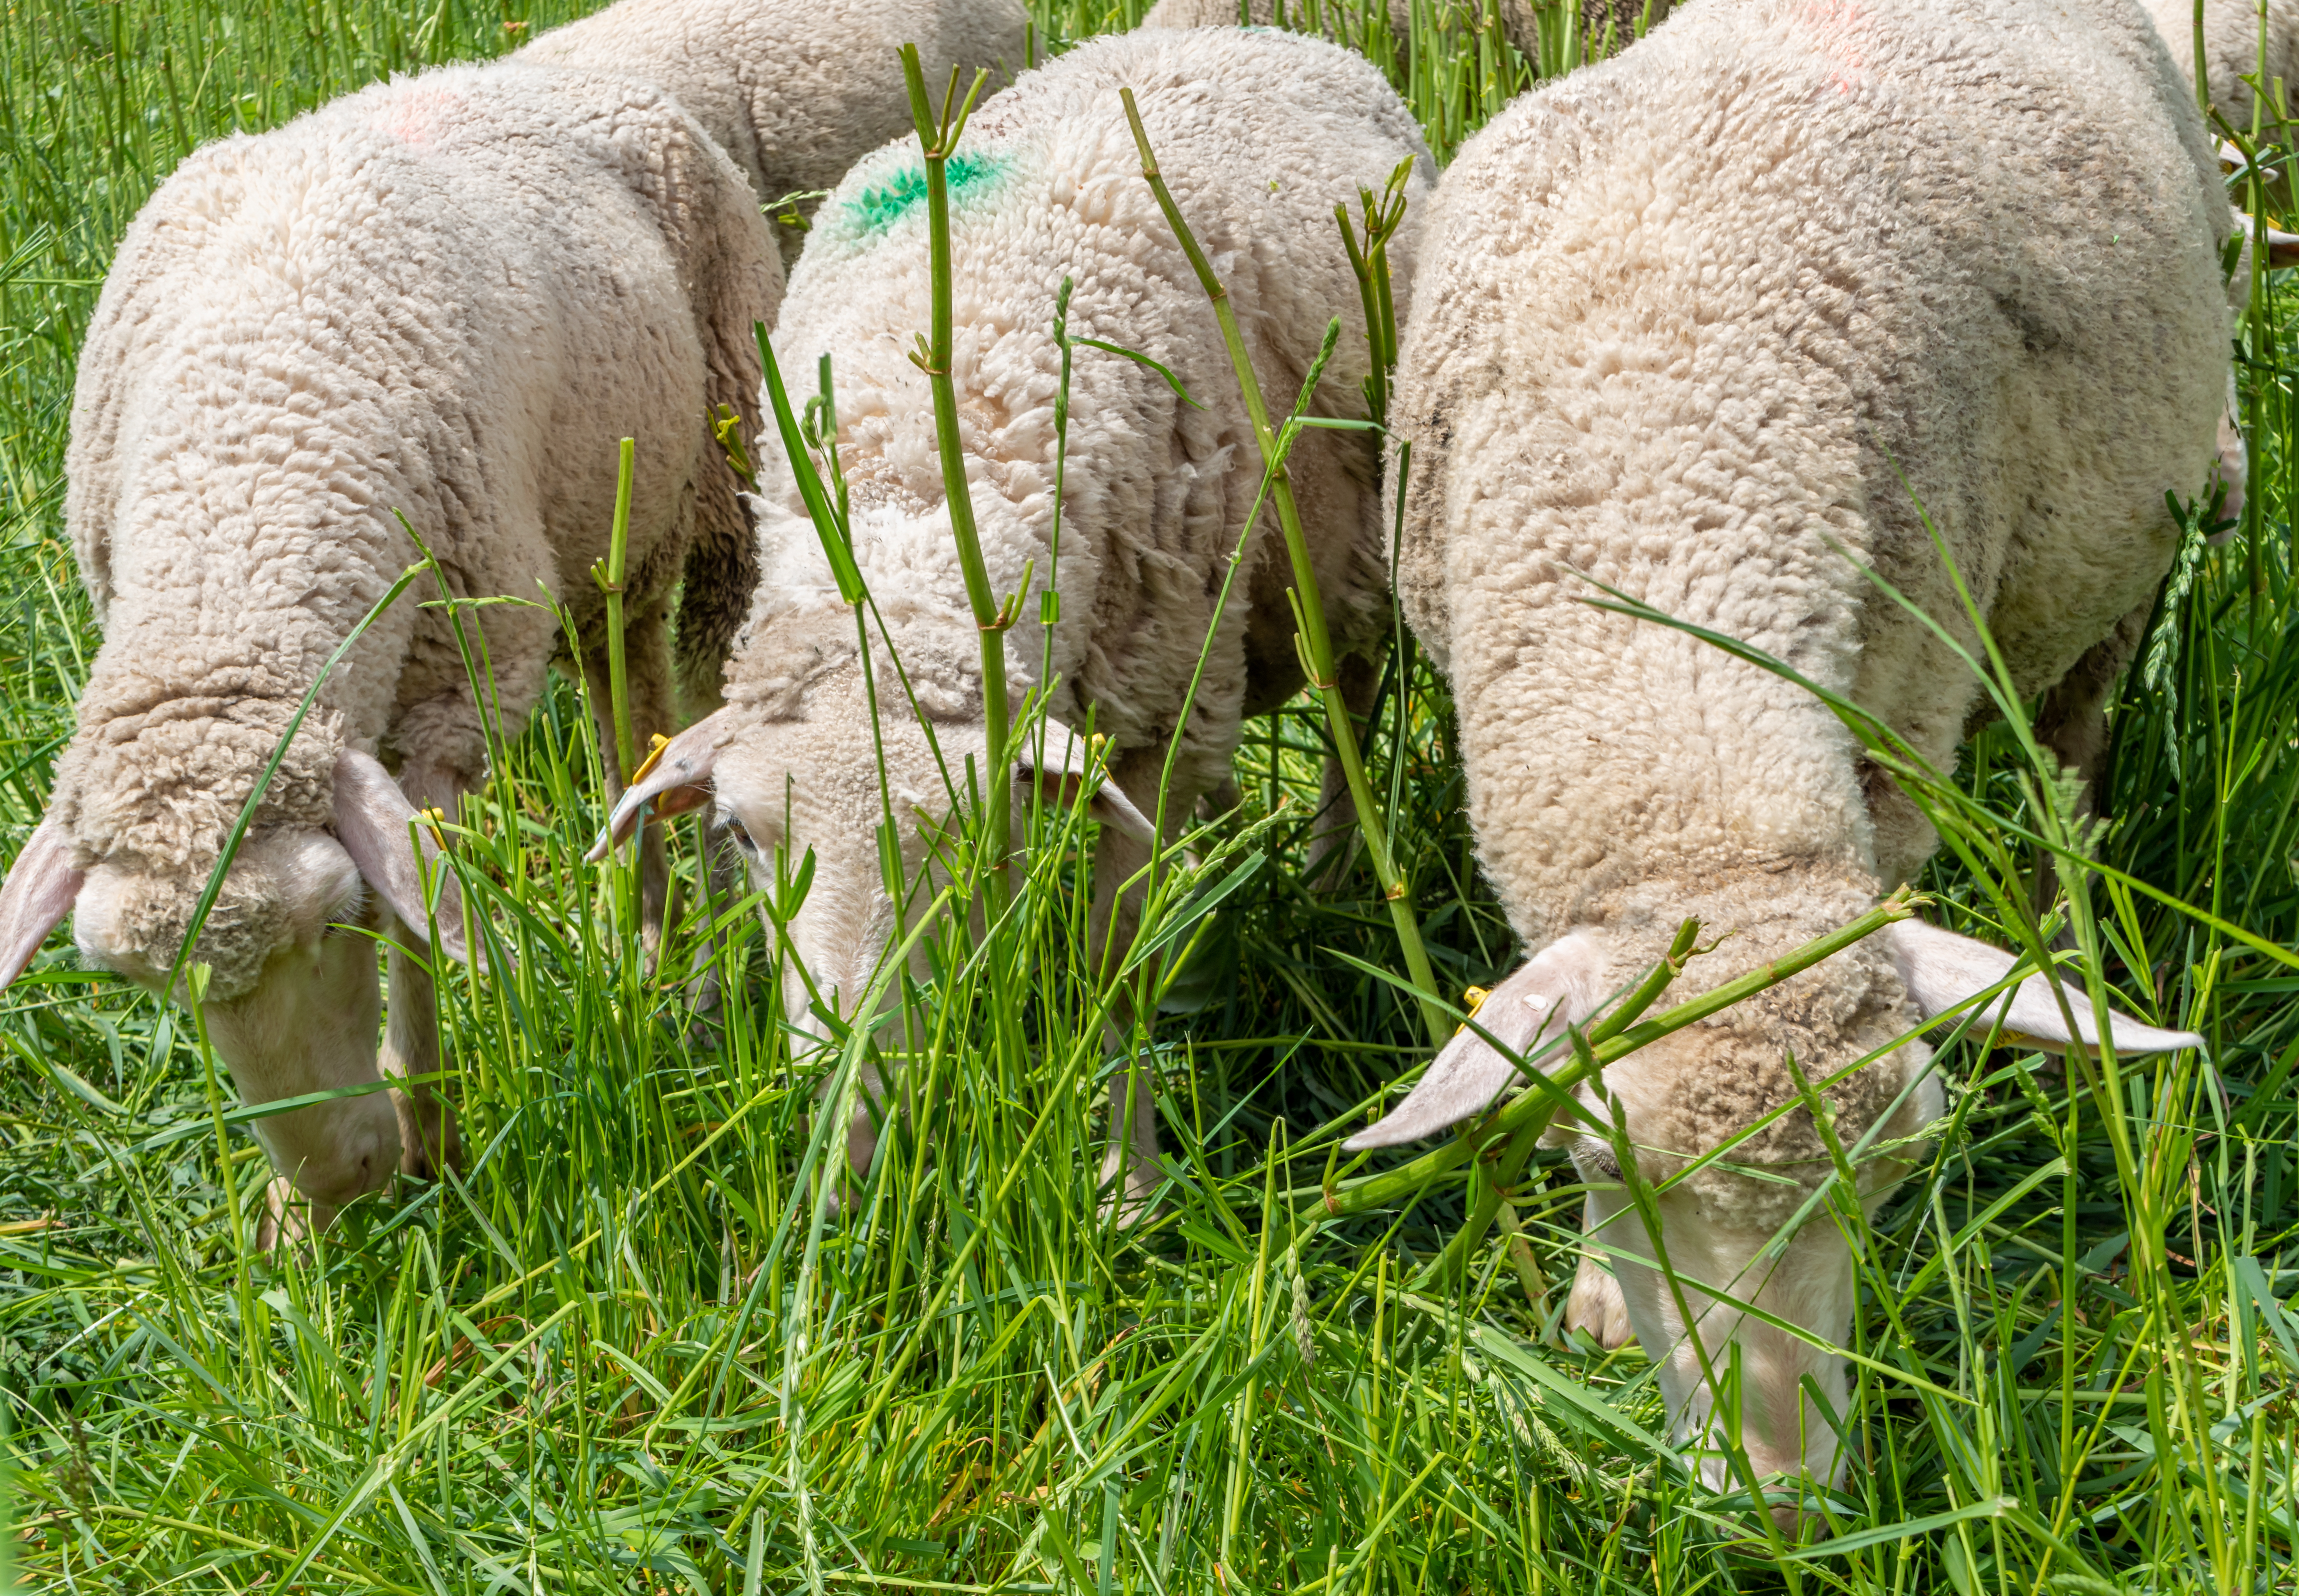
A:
[(742, 837)]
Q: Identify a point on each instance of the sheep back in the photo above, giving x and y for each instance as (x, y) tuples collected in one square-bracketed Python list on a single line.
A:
[(1709, 324), (1259, 137), (446, 297), (794, 90)]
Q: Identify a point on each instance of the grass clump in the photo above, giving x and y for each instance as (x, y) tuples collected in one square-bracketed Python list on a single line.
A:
[(632, 1347)]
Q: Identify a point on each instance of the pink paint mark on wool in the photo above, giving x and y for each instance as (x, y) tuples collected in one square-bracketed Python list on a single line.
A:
[(1836, 22), (417, 119)]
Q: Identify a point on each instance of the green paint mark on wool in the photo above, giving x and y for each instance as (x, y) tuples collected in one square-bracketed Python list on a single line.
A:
[(880, 207)]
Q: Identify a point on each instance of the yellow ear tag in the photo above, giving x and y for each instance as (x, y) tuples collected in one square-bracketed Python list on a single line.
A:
[(1474, 997), (433, 818), (655, 745)]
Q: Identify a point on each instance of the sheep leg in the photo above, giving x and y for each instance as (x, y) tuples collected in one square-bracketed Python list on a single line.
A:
[(1129, 1169), (1596, 1304), (723, 879), (1332, 840), (428, 1141), (2072, 723), (1221, 800)]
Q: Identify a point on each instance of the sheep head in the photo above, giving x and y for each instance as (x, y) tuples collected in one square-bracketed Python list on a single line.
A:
[(798, 795), (290, 998), (1728, 1086)]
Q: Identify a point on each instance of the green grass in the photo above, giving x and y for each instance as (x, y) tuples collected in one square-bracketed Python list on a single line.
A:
[(626, 1349)]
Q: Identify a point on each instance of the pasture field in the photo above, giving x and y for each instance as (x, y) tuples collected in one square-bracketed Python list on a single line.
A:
[(629, 1349)]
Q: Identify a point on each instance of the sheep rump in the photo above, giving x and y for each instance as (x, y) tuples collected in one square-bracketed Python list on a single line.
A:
[(1048, 186), (794, 91)]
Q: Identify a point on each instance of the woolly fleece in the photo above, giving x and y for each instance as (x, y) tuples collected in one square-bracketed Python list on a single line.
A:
[(447, 296), (1259, 134), (1687, 318), (1687, 321), (796, 91)]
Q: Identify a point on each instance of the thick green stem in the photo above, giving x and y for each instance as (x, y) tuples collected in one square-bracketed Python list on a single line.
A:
[(1316, 646), (937, 136), (2202, 66), (609, 575)]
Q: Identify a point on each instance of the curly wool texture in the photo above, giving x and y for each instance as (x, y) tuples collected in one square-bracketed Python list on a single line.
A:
[(447, 297), (1260, 135), (157, 788), (1689, 320), (795, 91)]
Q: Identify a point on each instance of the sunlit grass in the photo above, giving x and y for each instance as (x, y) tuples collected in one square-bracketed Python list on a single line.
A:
[(629, 1347)]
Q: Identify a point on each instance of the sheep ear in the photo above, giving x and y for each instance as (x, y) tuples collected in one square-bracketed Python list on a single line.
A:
[(1941, 969), (39, 892), (671, 781), (1067, 764), (374, 821), (1558, 986)]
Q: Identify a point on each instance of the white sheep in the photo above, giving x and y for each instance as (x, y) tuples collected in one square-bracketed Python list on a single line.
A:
[(1259, 134), (448, 296), (1706, 325), (796, 91)]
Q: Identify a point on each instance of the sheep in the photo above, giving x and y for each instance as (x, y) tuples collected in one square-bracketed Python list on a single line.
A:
[(1260, 135), (796, 91), (2232, 42), (1707, 325), (448, 296)]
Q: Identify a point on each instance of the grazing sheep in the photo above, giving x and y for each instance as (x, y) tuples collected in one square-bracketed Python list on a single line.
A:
[(447, 296), (796, 91), (1706, 325), (2232, 43), (1260, 135)]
